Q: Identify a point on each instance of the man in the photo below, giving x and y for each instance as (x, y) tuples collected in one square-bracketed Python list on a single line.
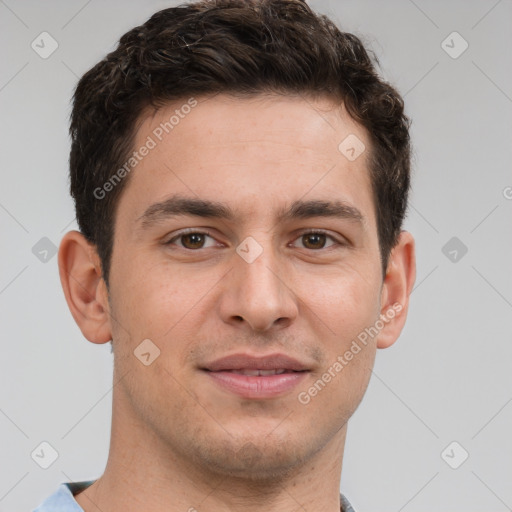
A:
[(240, 175)]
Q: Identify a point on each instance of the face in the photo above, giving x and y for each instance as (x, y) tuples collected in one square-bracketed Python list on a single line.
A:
[(246, 251)]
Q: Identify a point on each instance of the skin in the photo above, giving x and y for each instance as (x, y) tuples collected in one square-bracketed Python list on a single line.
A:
[(178, 441)]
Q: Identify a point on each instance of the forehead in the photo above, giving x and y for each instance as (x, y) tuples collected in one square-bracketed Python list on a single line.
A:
[(304, 123), (250, 152)]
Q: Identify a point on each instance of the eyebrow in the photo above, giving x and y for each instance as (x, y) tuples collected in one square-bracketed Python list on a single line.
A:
[(183, 206), (307, 209), (178, 205)]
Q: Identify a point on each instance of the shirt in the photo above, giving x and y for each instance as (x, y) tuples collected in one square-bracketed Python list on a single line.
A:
[(62, 500)]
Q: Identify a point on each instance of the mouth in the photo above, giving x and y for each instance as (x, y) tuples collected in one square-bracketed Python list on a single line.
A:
[(259, 373), (257, 377)]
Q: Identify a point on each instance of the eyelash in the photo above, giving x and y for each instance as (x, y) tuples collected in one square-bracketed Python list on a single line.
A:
[(335, 241), (189, 232)]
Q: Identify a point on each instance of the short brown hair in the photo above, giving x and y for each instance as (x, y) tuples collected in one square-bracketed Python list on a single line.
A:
[(243, 47)]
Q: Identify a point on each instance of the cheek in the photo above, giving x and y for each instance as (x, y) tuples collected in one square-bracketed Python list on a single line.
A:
[(346, 300), (347, 304), (154, 300)]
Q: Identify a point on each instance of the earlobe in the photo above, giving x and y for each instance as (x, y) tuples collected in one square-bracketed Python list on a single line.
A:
[(397, 287), (84, 287)]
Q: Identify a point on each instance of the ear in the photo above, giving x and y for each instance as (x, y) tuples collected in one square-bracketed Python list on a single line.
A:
[(84, 287), (396, 289)]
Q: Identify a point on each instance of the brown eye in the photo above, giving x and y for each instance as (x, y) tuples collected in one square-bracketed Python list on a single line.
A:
[(314, 240), (193, 240)]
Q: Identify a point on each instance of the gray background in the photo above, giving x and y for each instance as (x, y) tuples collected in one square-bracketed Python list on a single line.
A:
[(447, 379)]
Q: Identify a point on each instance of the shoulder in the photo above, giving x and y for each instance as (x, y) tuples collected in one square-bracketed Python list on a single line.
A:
[(62, 500), (345, 504)]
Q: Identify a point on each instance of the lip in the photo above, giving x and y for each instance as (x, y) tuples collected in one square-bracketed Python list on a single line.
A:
[(223, 372), (249, 362)]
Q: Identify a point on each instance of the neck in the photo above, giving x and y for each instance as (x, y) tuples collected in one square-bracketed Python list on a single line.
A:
[(142, 473)]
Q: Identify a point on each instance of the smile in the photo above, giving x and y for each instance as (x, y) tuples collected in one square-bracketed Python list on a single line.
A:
[(257, 377)]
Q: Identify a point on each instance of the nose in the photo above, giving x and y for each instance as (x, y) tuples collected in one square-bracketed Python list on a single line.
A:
[(256, 296)]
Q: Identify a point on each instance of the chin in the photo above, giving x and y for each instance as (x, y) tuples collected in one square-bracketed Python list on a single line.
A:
[(258, 460)]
